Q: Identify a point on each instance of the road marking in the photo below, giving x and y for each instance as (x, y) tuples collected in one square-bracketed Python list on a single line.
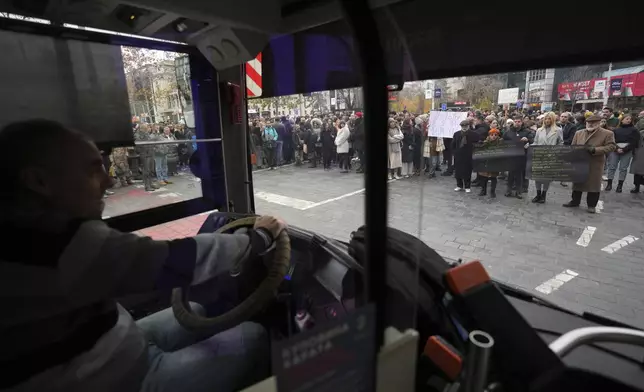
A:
[(334, 199), (303, 204), (555, 283), (586, 236), (170, 194), (619, 244), (285, 200), (276, 167)]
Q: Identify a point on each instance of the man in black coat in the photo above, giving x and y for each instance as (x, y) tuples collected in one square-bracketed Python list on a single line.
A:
[(481, 129), (568, 128), (462, 148), (516, 178)]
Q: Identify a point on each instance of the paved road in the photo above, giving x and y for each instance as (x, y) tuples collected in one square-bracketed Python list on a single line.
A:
[(538, 247), (134, 198), (532, 246)]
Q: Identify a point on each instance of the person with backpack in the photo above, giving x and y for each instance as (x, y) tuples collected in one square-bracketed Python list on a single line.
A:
[(269, 140)]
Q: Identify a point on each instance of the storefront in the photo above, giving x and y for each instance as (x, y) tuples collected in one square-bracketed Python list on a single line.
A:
[(627, 91), (622, 91)]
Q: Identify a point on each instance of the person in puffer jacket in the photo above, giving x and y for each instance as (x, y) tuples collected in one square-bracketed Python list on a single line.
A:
[(62, 329), (314, 143)]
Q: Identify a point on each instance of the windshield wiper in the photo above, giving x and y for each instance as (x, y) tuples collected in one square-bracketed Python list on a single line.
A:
[(526, 295)]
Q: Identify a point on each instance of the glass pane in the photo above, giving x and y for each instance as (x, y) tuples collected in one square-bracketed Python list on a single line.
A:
[(156, 171), (532, 242), (130, 194)]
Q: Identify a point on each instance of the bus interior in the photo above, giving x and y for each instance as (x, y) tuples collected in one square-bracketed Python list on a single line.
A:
[(88, 52)]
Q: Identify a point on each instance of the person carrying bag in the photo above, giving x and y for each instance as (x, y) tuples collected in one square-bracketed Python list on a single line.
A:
[(269, 140)]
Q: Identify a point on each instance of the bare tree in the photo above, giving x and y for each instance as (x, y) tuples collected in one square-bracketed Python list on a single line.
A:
[(480, 90), (151, 80), (279, 104), (412, 95)]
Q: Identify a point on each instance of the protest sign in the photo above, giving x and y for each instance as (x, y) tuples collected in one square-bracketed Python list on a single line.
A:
[(505, 156), (558, 163), (445, 124)]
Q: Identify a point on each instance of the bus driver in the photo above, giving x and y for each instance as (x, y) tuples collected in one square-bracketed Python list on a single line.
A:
[(62, 267)]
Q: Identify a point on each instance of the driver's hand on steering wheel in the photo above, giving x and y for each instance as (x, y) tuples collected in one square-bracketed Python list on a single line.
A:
[(270, 223)]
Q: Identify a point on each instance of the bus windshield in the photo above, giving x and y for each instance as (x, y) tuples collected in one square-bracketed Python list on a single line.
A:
[(478, 171)]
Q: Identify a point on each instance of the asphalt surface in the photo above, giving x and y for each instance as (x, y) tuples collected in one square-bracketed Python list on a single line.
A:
[(584, 262), (534, 246)]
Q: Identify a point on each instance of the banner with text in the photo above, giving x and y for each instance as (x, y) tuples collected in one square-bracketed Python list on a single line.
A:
[(558, 163), (505, 156), (445, 124)]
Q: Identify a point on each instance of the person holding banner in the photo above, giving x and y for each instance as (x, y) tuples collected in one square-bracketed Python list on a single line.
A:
[(522, 136), (550, 135), (463, 147), (598, 142), (492, 139)]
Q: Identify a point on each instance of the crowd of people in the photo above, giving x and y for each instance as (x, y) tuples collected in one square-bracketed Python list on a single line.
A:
[(614, 140), (156, 163)]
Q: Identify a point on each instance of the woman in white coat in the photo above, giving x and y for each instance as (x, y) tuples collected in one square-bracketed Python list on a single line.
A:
[(395, 137), (342, 144), (549, 135)]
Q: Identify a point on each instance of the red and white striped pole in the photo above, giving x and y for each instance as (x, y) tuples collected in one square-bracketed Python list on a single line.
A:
[(254, 77)]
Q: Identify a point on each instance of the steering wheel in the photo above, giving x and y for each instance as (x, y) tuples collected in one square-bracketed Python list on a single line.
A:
[(252, 304)]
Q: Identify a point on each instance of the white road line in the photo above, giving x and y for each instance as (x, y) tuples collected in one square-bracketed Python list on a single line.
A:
[(555, 283), (586, 236), (619, 244), (303, 204), (170, 194), (285, 200), (334, 199), (276, 167)]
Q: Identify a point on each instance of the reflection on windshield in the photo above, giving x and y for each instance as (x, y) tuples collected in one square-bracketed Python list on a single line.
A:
[(156, 171), (537, 174)]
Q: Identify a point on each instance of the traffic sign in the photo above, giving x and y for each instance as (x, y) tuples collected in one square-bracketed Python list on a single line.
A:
[(437, 93), (443, 106)]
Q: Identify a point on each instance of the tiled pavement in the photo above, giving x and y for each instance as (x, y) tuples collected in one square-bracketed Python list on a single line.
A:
[(134, 198), (519, 242)]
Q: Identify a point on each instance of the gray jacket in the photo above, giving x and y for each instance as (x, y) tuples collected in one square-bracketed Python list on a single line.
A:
[(60, 322)]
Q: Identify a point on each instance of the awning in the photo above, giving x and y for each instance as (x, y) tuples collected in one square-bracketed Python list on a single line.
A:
[(624, 71), (589, 101)]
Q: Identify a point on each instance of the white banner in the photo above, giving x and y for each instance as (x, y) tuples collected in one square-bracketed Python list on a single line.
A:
[(445, 124), (600, 86), (508, 95)]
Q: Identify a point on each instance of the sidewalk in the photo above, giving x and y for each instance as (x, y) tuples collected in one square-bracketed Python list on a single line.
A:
[(134, 198), (181, 228)]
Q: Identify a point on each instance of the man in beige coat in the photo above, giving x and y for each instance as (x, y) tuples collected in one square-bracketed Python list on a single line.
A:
[(599, 142)]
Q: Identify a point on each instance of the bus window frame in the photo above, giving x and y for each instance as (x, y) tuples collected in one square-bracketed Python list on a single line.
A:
[(158, 215)]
